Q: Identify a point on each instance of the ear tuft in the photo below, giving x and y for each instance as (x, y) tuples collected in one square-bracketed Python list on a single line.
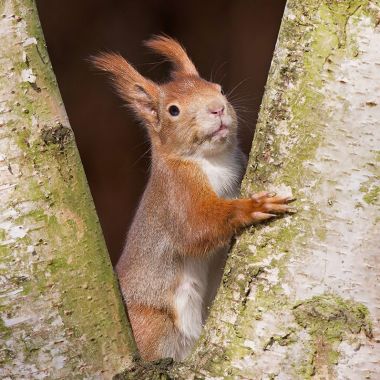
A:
[(174, 52), (124, 75), (141, 93)]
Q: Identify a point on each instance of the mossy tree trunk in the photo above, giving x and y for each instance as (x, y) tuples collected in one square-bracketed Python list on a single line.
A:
[(300, 297), (61, 316)]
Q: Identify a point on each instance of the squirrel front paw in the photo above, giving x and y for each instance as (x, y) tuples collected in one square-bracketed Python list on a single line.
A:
[(266, 205)]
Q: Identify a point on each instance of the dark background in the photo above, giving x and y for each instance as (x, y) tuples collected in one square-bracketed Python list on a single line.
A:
[(232, 40)]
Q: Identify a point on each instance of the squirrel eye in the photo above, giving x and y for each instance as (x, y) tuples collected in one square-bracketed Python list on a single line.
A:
[(174, 110), (222, 91)]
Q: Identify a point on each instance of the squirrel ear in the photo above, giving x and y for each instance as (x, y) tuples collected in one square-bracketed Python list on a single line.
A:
[(172, 50), (141, 93)]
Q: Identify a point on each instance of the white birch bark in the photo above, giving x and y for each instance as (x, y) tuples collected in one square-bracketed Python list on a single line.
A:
[(301, 295), (61, 315)]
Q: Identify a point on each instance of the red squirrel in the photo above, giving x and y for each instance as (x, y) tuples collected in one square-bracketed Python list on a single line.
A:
[(174, 254)]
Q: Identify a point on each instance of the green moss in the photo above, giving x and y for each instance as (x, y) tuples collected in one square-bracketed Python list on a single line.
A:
[(329, 319), (372, 196), (23, 136), (157, 370), (332, 316), (306, 369), (70, 265), (6, 355), (370, 188), (34, 215), (5, 332), (56, 265), (312, 42), (282, 340), (35, 193), (38, 54)]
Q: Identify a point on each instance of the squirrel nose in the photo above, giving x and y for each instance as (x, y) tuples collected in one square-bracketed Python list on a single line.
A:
[(216, 108)]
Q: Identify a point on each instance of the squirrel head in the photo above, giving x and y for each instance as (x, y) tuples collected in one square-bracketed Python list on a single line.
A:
[(186, 115)]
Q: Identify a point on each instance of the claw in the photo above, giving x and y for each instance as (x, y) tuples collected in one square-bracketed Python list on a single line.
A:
[(277, 207), (258, 216)]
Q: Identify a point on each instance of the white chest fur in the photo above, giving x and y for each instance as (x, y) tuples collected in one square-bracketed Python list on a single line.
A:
[(224, 174), (188, 303)]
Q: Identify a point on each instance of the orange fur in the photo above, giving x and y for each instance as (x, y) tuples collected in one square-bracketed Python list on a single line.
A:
[(140, 93), (149, 325), (187, 213), (172, 50), (211, 221)]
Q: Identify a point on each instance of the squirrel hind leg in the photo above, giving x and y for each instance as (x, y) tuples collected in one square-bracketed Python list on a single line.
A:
[(156, 334)]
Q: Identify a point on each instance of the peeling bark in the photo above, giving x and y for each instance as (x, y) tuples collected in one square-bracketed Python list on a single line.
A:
[(61, 315)]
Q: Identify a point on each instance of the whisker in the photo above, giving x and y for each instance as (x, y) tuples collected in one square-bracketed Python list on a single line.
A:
[(141, 144), (244, 120), (222, 78), (245, 109), (214, 74), (212, 71), (141, 157), (218, 70), (246, 126), (237, 86), (238, 98)]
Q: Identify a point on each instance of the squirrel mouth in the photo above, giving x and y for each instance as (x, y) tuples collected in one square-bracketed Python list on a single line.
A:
[(222, 131)]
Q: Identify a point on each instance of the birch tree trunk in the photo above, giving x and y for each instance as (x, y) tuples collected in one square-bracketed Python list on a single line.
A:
[(61, 316), (300, 297)]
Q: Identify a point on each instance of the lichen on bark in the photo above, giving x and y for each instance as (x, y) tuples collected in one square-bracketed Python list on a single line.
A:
[(316, 138), (300, 294), (329, 319), (60, 308)]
